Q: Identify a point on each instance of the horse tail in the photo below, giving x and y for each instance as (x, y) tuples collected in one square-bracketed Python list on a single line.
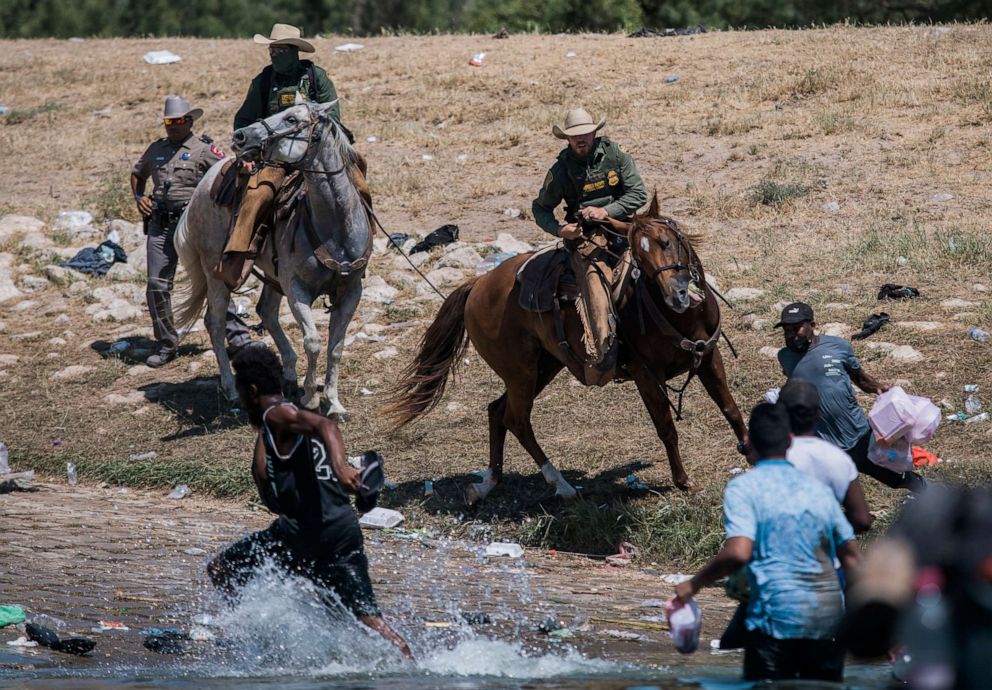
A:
[(190, 295), (423, 381)]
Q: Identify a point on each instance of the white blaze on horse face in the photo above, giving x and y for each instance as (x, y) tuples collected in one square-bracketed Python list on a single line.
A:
[(645, 244)]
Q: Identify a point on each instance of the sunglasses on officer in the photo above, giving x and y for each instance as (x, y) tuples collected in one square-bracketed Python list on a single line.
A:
[(169, 121)]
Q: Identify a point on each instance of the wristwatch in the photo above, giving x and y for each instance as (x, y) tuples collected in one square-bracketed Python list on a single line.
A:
[(742, 447)]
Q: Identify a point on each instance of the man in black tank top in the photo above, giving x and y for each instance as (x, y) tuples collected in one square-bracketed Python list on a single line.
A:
[(302, 476)]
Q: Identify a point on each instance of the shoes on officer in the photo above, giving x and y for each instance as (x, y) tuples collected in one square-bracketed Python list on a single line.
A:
[(161, 358)]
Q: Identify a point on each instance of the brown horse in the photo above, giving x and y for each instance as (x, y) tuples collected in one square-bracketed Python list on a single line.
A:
[(664, 332)]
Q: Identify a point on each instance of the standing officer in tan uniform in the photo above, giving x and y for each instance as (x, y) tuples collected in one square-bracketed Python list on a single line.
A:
[(176, 164)]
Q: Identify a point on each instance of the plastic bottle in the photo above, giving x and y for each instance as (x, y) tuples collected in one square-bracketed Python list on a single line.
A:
[(983, 417), (927, 635), (70, 473), (972, 405), (504, 549), (978, 335)]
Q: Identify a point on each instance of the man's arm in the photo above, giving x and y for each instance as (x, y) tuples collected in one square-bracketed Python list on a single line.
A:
[(635, 194), (326, 92), (546, 202), (138, 191), (736, 552), (303, 422), (863, 380), (856, 508), (850, 560), (251, 109)]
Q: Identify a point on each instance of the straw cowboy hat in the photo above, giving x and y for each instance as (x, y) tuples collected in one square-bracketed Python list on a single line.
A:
[(577, 121), (285, 35), (177, 106)]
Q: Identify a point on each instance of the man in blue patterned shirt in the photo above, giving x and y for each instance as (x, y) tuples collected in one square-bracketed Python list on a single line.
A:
[(787, 527)]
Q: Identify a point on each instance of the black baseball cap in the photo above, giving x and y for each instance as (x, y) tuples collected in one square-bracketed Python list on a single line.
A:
[(797, 312)]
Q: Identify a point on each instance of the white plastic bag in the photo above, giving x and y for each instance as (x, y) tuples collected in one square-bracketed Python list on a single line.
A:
[(684, 622), (897, 414), (894, 455)]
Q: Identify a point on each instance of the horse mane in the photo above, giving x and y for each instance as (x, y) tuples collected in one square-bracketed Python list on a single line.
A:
[(344, 149)]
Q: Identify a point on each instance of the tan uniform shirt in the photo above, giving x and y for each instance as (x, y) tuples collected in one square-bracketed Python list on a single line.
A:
[(175, 169)]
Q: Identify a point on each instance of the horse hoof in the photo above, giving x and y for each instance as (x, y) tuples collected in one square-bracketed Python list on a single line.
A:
[(689, 487), (472, 495)]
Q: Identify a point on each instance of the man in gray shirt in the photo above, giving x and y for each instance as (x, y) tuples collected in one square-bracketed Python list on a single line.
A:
[(829, 363)]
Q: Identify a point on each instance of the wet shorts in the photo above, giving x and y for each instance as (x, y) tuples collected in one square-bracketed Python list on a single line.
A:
[(343, 569), (767, 658)]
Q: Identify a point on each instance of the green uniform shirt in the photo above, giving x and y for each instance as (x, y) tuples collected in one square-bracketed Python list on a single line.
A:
[(607, 177), (176, 169), (261, 102)]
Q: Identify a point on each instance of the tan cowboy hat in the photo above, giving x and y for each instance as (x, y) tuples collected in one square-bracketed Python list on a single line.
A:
[(577, 121), (285, 35), (177, 106)]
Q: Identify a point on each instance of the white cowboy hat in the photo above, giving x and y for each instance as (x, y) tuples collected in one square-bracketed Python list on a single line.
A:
[(577, 121), (285, 35), (177, 106)]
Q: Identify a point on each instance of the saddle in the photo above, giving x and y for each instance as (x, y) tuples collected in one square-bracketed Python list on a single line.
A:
[(225, 189)]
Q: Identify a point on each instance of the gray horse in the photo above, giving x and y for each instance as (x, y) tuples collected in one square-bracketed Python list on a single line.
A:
[(304, 137)]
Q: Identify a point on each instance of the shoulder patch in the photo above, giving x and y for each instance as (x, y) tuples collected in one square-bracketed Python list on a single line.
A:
[(548, 179)]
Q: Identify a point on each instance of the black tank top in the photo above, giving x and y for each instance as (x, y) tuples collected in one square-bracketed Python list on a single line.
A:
[(302, 488)]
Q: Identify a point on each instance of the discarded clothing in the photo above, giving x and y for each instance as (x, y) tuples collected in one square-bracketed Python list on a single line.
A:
[(871, 325), (11, 615), (892, 291), (923, 457), (645, 32), (79, 646), (398, 239), (446, 234), (97, 261)]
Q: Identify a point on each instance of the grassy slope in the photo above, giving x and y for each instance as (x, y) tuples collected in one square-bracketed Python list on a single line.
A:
[(760, 132)]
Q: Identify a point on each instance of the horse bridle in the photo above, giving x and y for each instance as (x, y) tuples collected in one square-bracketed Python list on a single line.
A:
[(683, 249), (314, 125)]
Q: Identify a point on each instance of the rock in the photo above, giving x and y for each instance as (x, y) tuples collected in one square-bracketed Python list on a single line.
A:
[(711, 280), (956, 303), (7, 360), (463, 257), (512, 213), (841, 306), (838, 330), (418, 260), (943, 196), (454, 407), (57, 342), (386, 353), (925, 326), (117, 310), (62, 319), (880, 345), (979, 287), (378, 290), (966, 316), (380, 245), (132, 398), (27, 335), (769, 352), (3, 326), (80, 287), (130, 233), (761, 324), (12, 225), (35, 243), (905, 353), (445, 276), (505, 242), (138, 370), (74, 372), (743, 294), (25, 305), (8, 290), (831, 207), (33, 283), (62, 276), (124, 272), (404, 279)]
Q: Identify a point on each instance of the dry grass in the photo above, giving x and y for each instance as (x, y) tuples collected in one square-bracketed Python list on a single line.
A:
[(876, 120)]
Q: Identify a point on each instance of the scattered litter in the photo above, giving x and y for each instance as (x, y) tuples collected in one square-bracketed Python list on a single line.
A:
[(381, 518), (549, 625), (96, 260), (111, 625), (924, 458), (675, 578), (3, 111), (943, 196), (22, 642), (628, 552), (832, 207), (871, 325), (363, 337), (181, 491), (957, 417), (461, 157), (195, 551), (73, 219), (11, 615), (512, 213), (70, 473), (685, 621), (143, 456), (104, 112), (365, 391), (652, 604), (971, 388), (476, 617), (437, 624), (636, 484), (978, 335), (983, 417), (671, 79), (560, 634), (355, 461), (161, 57), (371, 140), (428, 488), (198, 633), (659, 619), (717, 651), (46, 638), (571, 54), (444, 235), (624, 635), (771, 395), (645, 32), (736, 470), (348, 47), (492, 261), (972, 405), (476, 60), (902, 261), (427, 157), (165, 644), (892, 291), (504, 549)]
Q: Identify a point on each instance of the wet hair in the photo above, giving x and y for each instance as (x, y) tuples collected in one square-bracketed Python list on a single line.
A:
[(768, 430), (801, 401), (259, 366)]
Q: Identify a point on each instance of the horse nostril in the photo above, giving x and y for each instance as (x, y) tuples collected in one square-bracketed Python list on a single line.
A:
[(239, 137)]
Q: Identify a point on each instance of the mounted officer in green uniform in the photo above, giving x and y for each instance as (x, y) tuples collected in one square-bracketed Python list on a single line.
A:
[(598, 180), (273, 90)]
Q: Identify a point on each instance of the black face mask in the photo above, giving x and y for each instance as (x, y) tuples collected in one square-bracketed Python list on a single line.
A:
[(799, 344)]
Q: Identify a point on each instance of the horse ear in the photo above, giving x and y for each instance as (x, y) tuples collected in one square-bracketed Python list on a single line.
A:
[(653, 210), (325, 108), (299, 99)]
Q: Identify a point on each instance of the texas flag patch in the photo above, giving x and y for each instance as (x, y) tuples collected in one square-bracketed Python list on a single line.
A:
[(216, 151)]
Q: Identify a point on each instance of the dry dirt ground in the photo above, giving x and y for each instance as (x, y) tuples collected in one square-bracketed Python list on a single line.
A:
[(816, 165), (86, 554)]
